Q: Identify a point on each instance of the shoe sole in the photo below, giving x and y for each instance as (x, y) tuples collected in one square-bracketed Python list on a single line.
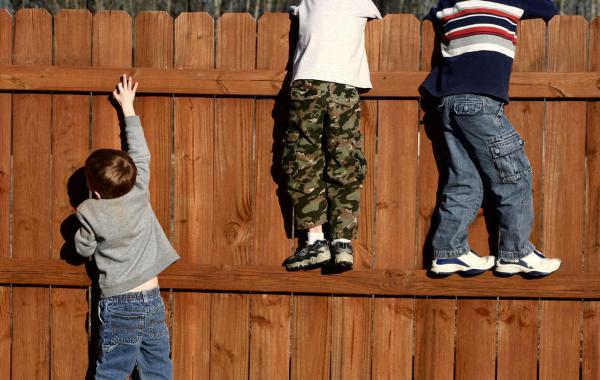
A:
[(510, 270), (447, 270), (312, 262)]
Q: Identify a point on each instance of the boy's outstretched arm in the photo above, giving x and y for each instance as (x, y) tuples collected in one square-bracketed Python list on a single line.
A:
[(136, 142), (544, 9)]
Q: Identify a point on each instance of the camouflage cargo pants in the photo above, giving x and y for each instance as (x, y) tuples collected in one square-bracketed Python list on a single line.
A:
[(323, 156)]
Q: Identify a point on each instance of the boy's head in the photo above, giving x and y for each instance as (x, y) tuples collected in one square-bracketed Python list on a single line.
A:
[(110, 173)]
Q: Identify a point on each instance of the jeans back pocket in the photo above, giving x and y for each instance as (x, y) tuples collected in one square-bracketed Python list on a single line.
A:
[(509, 157), (467, 107)]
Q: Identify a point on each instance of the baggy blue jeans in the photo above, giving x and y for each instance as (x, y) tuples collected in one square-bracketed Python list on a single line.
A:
[(483, 148), (133, 332)]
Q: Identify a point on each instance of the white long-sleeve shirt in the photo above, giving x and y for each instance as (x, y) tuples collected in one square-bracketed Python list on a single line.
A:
[(331, 43)]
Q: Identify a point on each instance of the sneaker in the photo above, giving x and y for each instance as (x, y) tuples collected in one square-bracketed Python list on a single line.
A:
[(468, 264), (533, 265), (343, 254), (311, 255)]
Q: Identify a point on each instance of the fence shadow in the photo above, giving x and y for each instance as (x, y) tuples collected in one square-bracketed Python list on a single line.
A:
[(280, 115)]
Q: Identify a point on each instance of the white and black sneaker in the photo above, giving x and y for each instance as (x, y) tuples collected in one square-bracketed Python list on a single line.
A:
[(343, 254), (309, 256), (468, 264), (533, 265)]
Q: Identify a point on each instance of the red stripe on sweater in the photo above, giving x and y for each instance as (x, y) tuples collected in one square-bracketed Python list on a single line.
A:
[(480, 30), (483, 11)]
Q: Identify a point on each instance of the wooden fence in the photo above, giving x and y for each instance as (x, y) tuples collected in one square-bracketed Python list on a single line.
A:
[(214, 112)]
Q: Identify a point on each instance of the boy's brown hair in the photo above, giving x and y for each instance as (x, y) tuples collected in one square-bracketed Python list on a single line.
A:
[(110, 172)]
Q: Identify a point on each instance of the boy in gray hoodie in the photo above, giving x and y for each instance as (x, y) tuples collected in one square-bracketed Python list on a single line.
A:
[(130, 248)]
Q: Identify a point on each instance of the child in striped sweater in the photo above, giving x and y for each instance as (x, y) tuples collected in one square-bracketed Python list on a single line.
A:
[(484, 150)]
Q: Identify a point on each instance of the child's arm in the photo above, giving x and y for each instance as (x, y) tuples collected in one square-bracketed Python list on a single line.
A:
[(137, 146), (544, 9), (85, 239)]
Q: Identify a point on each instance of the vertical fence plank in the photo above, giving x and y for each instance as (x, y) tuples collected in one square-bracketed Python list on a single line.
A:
[(364, 249), (154, 48), (31, 207), (6, 40), (233, 229), (270, 314), (476, 338), (194, 137), (111, 47), (311, 341), (434, 318), (591, 311), (395, 182), (434, 344), (70, 144), (564, 186), (518, 318), (517, 339)]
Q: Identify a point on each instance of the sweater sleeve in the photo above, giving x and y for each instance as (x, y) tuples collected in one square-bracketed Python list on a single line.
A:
[(544, 9), (138, 149), (85, 239)]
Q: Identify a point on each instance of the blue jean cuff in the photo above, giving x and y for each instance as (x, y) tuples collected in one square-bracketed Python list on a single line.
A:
[(441, 254), (516, 255)]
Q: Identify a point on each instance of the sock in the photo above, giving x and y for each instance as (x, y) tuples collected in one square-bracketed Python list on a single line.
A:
[(340, 241), (314, 236)]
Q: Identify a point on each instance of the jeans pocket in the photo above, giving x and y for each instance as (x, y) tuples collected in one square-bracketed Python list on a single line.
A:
[(509, 157), (467, 107), (126, 325)]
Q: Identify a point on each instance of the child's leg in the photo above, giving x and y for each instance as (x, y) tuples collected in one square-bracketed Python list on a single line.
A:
[(346, 164), (497, 150), (120, 338), (303, 159), (462, 195), (154, 361)]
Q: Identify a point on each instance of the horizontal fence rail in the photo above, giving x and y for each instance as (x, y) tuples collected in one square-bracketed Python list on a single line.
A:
[(269, 279), (267, 82)]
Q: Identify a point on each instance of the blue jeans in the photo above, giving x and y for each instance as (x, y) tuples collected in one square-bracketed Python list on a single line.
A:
[(483, 148), (133, 332)]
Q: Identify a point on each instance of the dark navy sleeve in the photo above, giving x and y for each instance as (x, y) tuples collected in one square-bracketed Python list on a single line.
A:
[(431, 15), (544, 9)]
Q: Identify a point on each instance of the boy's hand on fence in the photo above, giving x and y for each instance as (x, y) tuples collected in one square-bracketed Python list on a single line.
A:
[(124, 94)]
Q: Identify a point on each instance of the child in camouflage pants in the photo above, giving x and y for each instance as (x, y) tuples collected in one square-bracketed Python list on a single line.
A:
[(323, 157)]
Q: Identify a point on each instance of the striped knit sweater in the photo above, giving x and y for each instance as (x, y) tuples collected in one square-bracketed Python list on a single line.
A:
[(478, 41)]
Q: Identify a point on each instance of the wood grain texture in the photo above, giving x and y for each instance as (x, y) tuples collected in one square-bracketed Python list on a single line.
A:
[(111, 47), (591, 310), (194, 162), (351, 338), (590, 366), (393, 338), (476, 338), (233, 189), (154, 48), (311, 341), (564, 184), (386, 84), (559, 340), (270, 317), (70, 145), (270, 336), (191, 341), (435, 321), (517, 339), (31, 209), (592, 154), (5, 331), (6, 48)]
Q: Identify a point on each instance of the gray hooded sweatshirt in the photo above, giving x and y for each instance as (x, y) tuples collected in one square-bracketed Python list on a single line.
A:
[(123, 233)]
